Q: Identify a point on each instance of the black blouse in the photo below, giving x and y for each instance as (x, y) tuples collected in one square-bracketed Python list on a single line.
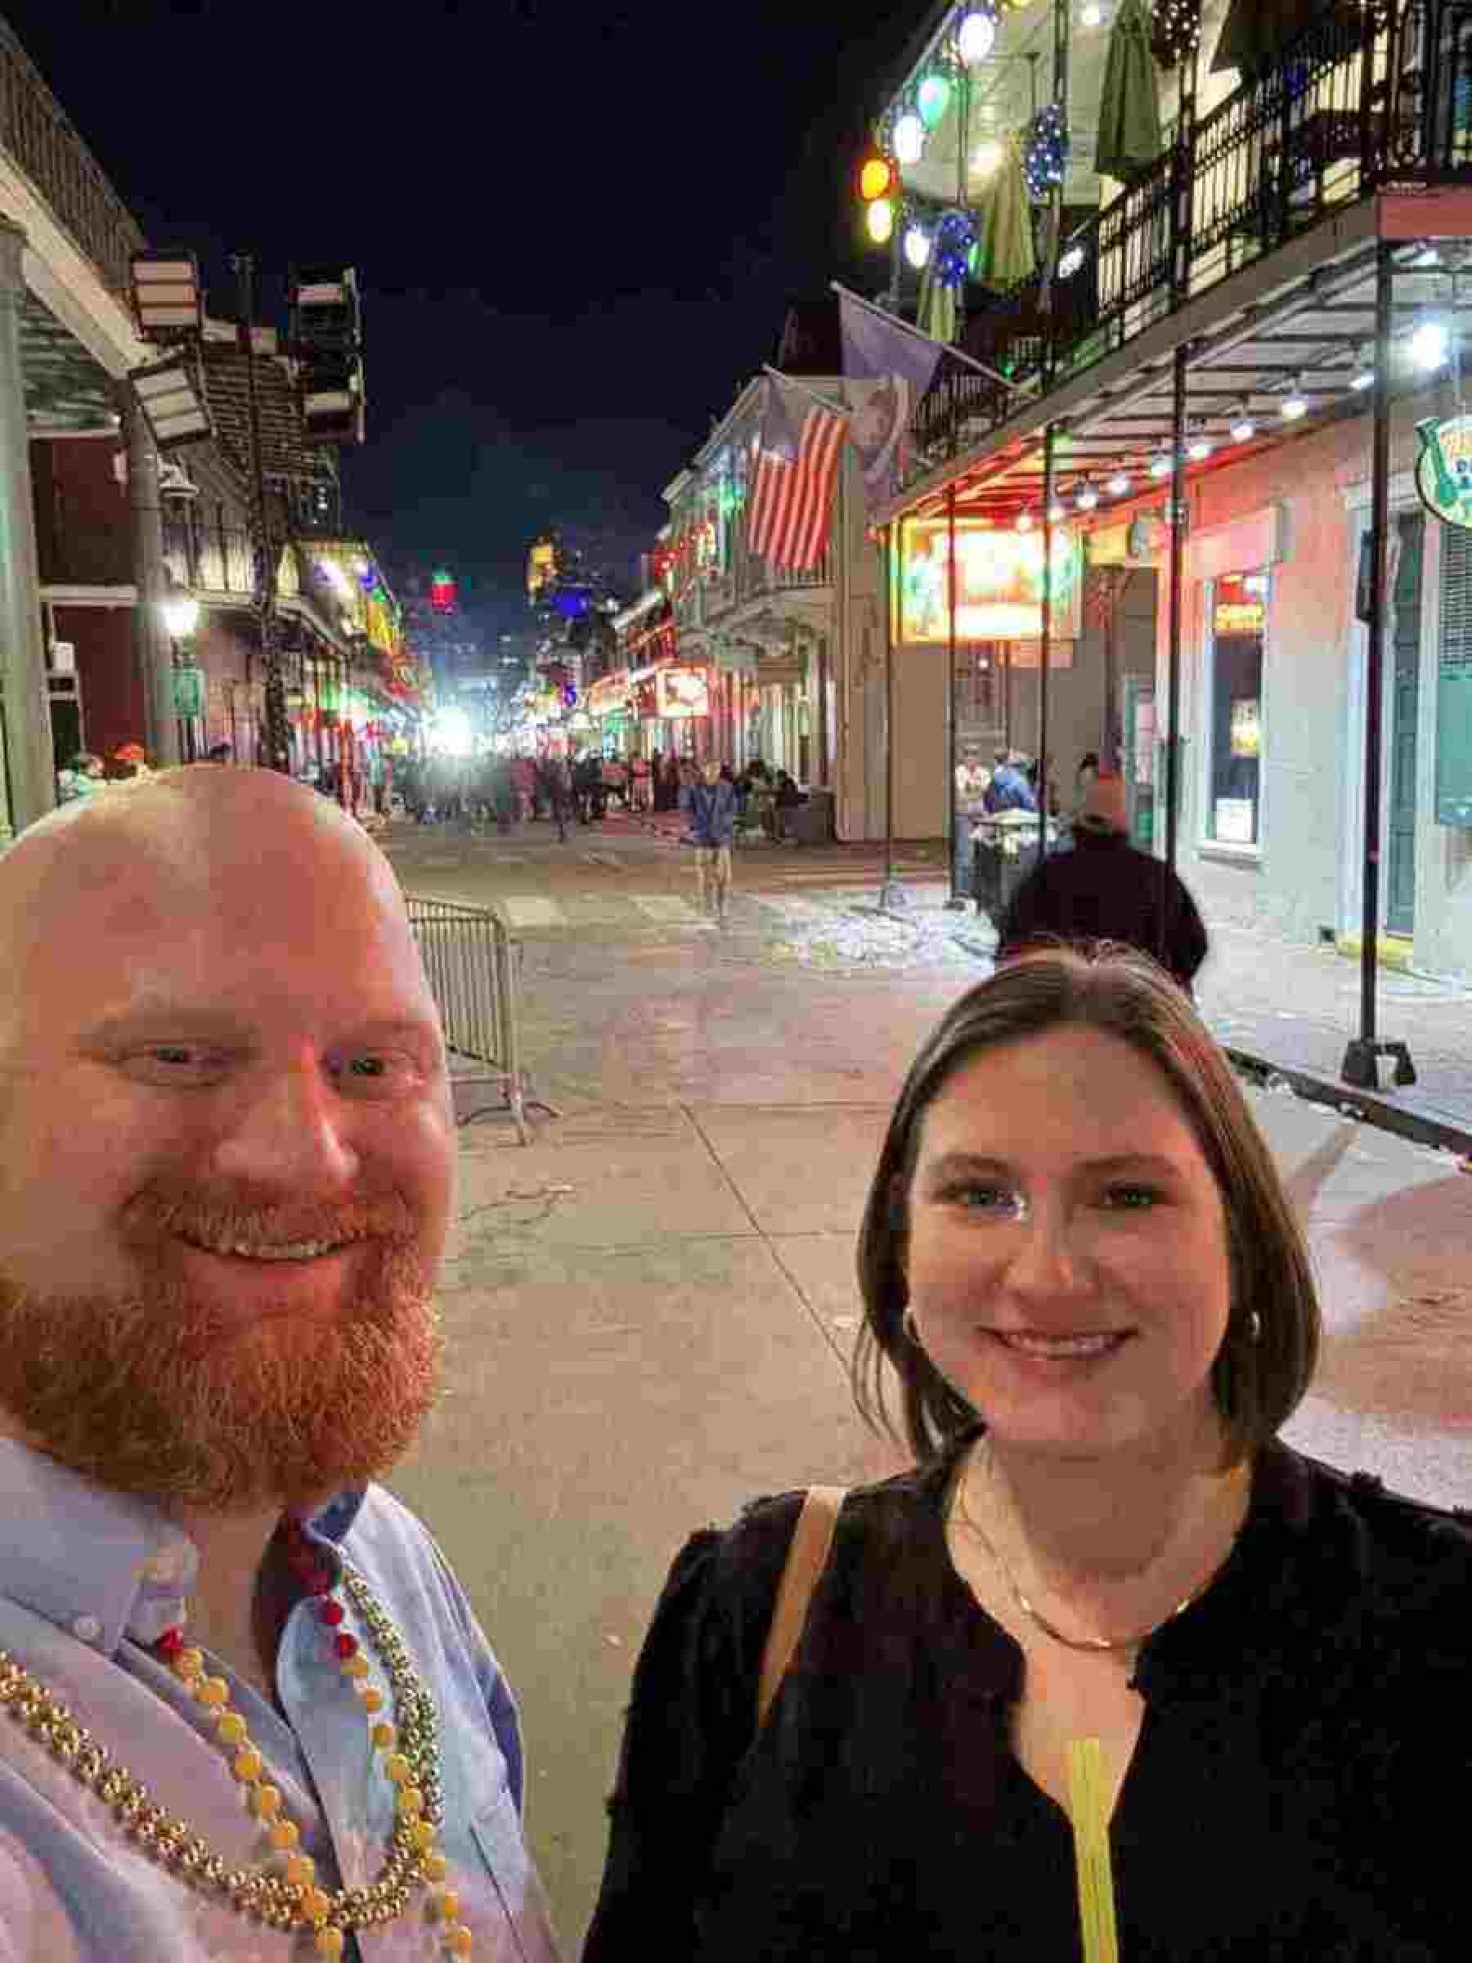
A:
[(1300, 1789)]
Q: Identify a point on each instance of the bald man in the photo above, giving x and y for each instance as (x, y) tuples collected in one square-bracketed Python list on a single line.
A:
[(226, 1174)]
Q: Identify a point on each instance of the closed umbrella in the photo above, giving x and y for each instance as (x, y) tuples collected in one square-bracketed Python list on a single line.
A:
[(1007, 252), (938, 312), (1129, 107)]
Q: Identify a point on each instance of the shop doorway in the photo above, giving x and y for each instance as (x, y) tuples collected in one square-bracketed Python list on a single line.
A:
[(1405, 688)]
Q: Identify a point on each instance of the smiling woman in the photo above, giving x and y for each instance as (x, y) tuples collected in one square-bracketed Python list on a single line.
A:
[(1079, 1263)]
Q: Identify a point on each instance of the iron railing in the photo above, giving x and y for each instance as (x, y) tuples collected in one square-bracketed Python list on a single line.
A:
[(37, 133), (470, 961), (1359, 101)]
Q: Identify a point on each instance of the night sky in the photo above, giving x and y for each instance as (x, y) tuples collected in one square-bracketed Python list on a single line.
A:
[(577, 228)]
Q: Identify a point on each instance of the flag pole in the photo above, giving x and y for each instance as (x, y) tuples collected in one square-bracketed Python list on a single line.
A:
[(957, 901), (791, 382), (929, 340)]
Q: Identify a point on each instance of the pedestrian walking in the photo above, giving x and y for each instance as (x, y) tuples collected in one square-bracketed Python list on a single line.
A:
[(1107, 890), (554, 782), (524, 780), (972, 779), (217, 1330), (639, 785), (710, 811), (864, 1736), (669, 780)]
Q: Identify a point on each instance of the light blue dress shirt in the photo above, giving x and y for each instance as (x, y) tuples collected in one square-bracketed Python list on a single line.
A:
[(88, 1580)]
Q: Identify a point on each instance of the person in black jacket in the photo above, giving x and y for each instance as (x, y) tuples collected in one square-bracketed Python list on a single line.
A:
[(1106, 890)]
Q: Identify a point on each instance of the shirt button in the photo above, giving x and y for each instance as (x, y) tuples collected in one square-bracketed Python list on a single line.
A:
[(87, 1629)]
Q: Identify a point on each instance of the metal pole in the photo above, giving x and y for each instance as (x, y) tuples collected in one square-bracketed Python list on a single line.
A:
[(1045, 646), (1176, 623), (277, 734), (890, 895), (1359, 1066), (957, 898)]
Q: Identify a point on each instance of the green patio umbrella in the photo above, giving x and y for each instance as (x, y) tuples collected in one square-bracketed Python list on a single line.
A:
[(1006, 250), (1129, 107)]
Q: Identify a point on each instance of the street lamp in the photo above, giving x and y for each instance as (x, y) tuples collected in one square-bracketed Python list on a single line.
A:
[(166, 294), (180, 614), (173, 402)]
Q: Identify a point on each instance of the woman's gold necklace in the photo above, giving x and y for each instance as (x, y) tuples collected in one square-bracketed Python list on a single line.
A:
[(1094, 1644), (288, 1897)]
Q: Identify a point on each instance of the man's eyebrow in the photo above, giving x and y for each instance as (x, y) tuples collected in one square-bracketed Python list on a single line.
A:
[(951, 1164), (162, 1018)]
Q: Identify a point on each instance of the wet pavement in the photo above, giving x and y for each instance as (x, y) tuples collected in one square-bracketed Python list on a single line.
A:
[(650, 1310)]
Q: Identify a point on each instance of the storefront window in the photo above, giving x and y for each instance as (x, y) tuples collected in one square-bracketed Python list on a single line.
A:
[(1237, 608)]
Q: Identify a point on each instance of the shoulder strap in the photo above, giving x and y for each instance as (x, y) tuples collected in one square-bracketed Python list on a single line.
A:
[(806, 1559)]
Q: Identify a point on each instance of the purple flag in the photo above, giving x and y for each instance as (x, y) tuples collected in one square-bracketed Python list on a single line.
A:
[(887, 368)]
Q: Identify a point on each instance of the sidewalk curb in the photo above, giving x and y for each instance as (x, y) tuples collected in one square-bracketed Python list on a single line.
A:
[(1421, 1126)]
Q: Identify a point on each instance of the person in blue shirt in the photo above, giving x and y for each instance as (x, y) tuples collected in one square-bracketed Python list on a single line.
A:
[(216, 1329), (1009, 789), (710, 808)]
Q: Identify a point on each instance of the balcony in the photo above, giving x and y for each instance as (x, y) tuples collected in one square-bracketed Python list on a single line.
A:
[(34, 129), (1361, 104)]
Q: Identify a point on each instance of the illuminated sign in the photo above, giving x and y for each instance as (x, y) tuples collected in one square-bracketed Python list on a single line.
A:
[(541, 566), (609, 694), (1240, 604), (999, 583), (441, 592), (1444, 470), (681, 694)]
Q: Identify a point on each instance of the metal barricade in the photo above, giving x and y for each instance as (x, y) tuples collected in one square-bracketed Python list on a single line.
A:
[(470, 960)]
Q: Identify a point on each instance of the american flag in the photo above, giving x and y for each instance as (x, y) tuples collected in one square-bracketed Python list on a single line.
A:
[(797, 467)]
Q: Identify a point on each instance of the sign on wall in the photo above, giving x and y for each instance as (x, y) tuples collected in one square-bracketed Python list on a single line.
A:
[(681, 694), (999, 583), (1444, 469)]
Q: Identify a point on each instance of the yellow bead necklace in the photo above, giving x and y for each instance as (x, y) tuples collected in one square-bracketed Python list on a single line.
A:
[(286, 1895)]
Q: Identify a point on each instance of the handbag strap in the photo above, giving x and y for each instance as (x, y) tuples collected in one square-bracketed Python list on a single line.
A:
[(806, 1559)]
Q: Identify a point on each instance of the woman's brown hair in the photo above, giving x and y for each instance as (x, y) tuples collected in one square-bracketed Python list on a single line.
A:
[(1257, 1380)]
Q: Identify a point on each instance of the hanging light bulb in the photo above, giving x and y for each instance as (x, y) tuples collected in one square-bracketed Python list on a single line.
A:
[(1199, 448), (917, 246), (1431, 345), (1294, 405), (1161, 466), (909, 139), (1024, 521), (1057, 512), (1364, 370), (978, 35), (1119, 483), (876, 178), (1087, 497), (879, 218), (1091, 14), (933, 99), (1244, 429)]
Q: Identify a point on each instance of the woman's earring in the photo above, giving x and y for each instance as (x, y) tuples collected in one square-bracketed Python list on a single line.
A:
[(1254, 1327), (907, 1323)]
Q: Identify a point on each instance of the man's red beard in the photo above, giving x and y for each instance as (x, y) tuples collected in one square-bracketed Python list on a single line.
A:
[(156, 1391)]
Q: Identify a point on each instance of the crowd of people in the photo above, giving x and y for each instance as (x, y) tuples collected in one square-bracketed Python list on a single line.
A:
[(247, 1685)]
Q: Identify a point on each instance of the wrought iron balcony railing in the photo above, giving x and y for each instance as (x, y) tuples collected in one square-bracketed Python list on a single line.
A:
[(1362, 100), (37, 133)]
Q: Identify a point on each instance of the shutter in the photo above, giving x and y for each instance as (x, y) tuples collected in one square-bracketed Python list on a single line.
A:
[(1454, 682)]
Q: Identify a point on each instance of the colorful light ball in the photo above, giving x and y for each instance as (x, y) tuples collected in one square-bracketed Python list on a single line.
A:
[(978, 35), (933, 99), (879, 219), (917, 247), (876, 177), (909, 138)]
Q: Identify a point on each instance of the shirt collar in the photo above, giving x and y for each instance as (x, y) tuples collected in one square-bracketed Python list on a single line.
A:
[(100, 1563)]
